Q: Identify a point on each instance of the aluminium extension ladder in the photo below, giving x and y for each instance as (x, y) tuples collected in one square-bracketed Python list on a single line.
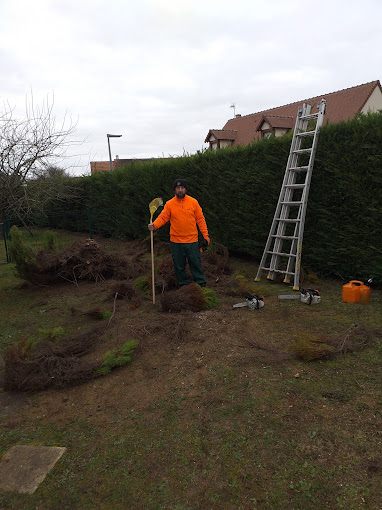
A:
[(282, 253)]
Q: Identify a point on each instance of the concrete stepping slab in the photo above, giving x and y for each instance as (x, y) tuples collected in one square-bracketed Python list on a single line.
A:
[(23, 468)]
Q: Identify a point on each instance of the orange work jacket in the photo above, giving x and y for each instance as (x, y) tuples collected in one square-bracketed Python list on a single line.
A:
[(184, 214)]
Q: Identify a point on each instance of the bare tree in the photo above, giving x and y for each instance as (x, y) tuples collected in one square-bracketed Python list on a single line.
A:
[(29, 148), (52, 172)]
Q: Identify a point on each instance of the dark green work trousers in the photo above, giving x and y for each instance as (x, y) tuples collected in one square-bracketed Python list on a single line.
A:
[(187, 251)]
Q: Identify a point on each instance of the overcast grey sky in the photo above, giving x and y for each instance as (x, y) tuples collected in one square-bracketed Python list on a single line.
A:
[(163, 72)]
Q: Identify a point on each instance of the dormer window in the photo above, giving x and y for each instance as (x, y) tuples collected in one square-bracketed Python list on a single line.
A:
[(220, 138), (275, 125)]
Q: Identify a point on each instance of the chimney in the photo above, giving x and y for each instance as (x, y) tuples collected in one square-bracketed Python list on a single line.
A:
[(117, 157), (237, 115)]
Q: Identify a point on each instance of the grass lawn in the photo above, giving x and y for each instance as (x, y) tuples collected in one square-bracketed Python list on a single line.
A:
[(214, 412)]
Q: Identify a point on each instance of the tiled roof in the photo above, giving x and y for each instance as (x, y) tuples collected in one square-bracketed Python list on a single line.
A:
[(341, 106), (221, 134)]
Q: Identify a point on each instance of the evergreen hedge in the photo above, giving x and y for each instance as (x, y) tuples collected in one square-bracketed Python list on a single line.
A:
[(238, 189)]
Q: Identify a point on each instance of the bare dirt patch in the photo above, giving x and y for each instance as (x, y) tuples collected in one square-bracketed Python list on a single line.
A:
[(214, 401)]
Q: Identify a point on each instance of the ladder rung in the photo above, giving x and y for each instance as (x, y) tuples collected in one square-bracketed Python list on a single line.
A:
[(281, 254), (299, 168), (287, 238), (306, 133), (310, 116), (302, 151), (276, 270), (295, 186), (288, 220), (291, 203)]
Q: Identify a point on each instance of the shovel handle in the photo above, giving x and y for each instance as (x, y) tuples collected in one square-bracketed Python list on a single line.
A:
[(152, 266)]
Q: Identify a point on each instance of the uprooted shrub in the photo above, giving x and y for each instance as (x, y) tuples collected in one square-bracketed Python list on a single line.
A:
[(29, 343), (190, 297), (142, 283), (354, 339), (123, 290), (165, 279), (82, 260), (46, 362), (216, 259), (99, 313), (117, 357)]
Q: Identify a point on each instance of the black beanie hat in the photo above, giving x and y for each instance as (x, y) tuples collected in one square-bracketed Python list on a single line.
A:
[(180, 182)]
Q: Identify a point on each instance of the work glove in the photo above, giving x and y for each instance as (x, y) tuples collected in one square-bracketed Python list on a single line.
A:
[(203, 244)]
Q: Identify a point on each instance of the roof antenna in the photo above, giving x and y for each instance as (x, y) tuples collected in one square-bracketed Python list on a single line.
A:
[(234, 111)]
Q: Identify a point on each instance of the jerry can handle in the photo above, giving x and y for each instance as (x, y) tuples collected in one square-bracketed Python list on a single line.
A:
[(357, 283)]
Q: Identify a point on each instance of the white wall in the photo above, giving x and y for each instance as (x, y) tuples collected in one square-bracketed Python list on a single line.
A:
[(280, 131), (374, 103), (223, 143)]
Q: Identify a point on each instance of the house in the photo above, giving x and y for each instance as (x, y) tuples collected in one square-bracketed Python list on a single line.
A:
[(100, 166), (104, 166), (340, 106)]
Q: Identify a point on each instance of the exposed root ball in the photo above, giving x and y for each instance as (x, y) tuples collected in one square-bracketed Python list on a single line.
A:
[(80, 261), (124, 290), (49, 364)]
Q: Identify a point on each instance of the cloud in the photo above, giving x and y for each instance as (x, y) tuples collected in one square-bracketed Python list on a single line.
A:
[(162, 73)]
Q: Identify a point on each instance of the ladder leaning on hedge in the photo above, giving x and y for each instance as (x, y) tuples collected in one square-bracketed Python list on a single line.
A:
[(284, 242)]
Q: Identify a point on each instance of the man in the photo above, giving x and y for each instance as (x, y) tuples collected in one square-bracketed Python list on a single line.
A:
[(184, 214)]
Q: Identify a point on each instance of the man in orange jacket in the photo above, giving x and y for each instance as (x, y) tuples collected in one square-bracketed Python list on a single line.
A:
[(185, 215)]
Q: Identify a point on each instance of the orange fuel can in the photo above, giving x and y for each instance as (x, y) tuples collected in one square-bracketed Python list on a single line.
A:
[(356, 292)]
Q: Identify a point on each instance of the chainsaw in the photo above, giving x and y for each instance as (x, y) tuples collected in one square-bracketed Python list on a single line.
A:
[(308, 296), (252, 301)]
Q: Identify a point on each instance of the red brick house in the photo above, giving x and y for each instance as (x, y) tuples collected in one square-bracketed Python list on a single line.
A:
[(340, 106), (100, 166), (104, 166)]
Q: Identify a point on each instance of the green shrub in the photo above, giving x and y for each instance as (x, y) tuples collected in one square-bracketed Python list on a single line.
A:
[(142, 283), (117, 357), (50, 241), (21, 255), (28, 344), (210, 298), (246, 183)]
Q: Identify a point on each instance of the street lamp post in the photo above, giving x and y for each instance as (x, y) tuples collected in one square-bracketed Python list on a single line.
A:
[(108, 142)]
